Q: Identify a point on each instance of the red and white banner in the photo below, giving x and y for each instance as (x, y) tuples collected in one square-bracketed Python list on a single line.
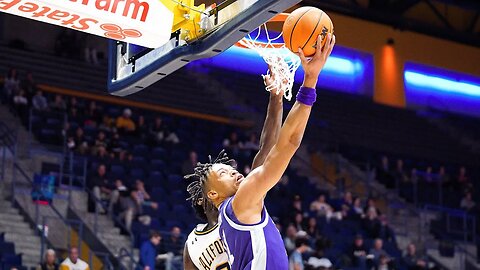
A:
[(146, 23)]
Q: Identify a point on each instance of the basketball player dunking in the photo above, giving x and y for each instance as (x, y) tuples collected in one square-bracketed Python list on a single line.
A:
[(204, 249), (251, 239)]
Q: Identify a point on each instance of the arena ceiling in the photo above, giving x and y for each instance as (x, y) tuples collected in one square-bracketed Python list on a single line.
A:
[(457, 20)]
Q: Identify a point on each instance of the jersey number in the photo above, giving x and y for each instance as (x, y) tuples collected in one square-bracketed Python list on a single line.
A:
[(224, 266)]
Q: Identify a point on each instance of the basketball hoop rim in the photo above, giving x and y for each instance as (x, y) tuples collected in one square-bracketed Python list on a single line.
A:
[(280, 17)]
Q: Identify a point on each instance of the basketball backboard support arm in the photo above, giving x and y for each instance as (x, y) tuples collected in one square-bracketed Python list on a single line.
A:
[(127, 76)]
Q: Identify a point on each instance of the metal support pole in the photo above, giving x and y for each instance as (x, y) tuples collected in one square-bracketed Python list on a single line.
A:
[(42, 238), (4, 153), (95, 222), (14, 171), (70, 178), (90, 259), (80, 234), (30, 133)]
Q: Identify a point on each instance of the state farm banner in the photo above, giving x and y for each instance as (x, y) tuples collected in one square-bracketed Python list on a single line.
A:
[(146, 23)]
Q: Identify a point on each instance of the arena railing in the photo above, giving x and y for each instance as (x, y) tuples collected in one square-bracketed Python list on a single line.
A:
[(10, 143), (468, 222), (9, 150)]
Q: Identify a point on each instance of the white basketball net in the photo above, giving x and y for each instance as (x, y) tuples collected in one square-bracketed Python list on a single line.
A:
[(281, 60)]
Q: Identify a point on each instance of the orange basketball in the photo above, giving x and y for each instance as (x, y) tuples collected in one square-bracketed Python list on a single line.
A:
[(302, 27)]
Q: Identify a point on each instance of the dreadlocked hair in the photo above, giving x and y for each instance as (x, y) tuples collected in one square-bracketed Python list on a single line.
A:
[(200, 202)]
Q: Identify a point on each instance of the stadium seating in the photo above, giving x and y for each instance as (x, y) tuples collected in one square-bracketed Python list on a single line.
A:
[(8, 257)]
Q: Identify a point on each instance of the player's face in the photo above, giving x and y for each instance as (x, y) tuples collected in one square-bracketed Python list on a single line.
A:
[(223, 182)]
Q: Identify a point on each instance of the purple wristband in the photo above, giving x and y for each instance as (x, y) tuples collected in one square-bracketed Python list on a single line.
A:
[(307, 95)]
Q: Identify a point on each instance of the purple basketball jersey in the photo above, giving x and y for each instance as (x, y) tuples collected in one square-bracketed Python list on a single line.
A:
[(251, 247)]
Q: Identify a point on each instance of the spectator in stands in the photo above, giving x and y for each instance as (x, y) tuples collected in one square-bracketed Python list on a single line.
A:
[(412, 260), (58, 105), (49, 261), (10, 85), (233, 144), (72, 102), (428, 176), (467, 203), (77, 142), (20, 102), (315, 263), (189, 164), (358, 252), (370, 223), (357, 211), (312, 228), (383, 263), (400, 174), (141, 199), (414, 176), (377, 251), (125, 123), (160, 133), (289, 239), (72, 262), (119, 197), (384, 231), (141, 128), (100, 142), (321, 207), (29, 86), (443, 177), (383, 173), (251, 146), (101, 187), (93, 114), (298, 222), (39, 102), (102, 154), (372, 208), (462, 178), (296, 206), (174, 245), (148, 252), (317, 260), (295, 259), (347, 200), (115, 145), (107, 123)]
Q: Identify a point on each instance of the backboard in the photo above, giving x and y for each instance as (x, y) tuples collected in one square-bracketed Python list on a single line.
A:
[(133, 68)]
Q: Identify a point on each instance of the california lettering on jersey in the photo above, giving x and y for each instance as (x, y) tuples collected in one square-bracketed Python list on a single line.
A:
[(208, 256)]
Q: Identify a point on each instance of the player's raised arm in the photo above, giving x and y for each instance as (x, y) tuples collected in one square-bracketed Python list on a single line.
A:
[(248, 200), (272, 124)]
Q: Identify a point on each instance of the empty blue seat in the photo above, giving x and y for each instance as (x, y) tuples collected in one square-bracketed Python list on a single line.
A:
[(118, 170), (137, 173), (10, 260), (157, 164), (140, 150), (138, 161), (158, 194), (179, 209), (54, 123), (158, 153), (7, 247)]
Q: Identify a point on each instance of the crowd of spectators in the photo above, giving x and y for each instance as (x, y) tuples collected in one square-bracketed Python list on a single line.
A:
[(302, 225), (439, 180)]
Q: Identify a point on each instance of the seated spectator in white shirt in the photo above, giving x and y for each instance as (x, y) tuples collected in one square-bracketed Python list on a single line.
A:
[(39, 102)]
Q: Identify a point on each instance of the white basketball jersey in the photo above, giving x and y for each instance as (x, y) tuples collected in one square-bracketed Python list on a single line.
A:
[(206, 249)]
